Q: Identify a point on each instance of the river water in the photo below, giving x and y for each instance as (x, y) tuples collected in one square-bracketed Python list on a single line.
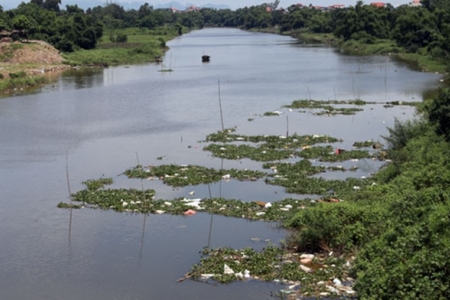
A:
[(103, 121)]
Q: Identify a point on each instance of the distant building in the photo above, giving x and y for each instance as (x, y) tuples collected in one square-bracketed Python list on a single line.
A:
[(336, 6), (378, 4), (416, 3), (193, 8)]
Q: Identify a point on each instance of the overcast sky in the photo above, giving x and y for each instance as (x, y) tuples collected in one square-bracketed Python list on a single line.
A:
[(233, 4)]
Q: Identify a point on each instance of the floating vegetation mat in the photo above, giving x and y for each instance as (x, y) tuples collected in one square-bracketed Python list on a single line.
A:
[(138, 201), (184, 175), (327, 108), (305, 274), (273, 148), (298, 183), (265, 154), (302, 167), (367, 144), (271, 141)]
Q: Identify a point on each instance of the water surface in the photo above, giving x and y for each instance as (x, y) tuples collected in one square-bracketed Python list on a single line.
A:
[(107, 119)]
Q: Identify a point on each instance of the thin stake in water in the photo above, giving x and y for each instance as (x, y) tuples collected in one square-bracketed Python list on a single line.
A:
[(220, 106)]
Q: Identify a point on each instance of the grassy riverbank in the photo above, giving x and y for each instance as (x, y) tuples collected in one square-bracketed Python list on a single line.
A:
[(422, 62), (142, 46)]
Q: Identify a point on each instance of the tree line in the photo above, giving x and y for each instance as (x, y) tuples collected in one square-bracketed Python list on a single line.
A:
[(424, 29)]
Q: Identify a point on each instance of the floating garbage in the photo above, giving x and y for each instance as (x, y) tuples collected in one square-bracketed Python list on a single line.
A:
[(189, 212), (206, 276), (227, 270)]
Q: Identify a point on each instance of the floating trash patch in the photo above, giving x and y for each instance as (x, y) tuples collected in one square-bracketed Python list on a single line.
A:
[(184, 175), (271, 141), (368, 144), (234, 152), (314, 104), (303, 274), (143, 201), (265, 154), (302, 167), (327, 108), (295, 183)]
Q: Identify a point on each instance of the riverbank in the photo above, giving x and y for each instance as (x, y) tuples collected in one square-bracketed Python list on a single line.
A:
[(126, 46), (27, 65), (417, 61)]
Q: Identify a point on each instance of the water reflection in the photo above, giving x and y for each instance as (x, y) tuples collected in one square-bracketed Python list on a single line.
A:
[(82, 78)]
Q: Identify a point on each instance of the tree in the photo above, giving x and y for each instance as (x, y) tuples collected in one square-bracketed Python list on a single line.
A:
[(39, 3), (73, 9), (52, 5), (439, 113), (22, 23), (415, 28), (145, 10)]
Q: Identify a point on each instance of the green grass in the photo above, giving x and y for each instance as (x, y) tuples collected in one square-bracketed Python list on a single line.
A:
[(142, 46), (23, 84), (314, 38), (422, 62), (377, 47)]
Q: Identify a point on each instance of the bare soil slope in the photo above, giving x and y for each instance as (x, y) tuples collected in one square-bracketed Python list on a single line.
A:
[(32, 57)]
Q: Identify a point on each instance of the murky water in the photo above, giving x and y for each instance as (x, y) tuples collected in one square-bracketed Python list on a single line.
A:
[(105, 119)]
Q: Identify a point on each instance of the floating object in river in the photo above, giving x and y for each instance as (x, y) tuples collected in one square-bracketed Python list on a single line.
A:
[(205, 58)]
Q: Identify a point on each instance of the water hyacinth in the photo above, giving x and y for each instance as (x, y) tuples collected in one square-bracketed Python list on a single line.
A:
[(302, 184), (365, 144), (271, 141), (184, 175), (319, 104), (234, 152)]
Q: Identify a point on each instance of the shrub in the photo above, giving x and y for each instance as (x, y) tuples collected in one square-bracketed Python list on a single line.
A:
[(336, 226), (20, 74)]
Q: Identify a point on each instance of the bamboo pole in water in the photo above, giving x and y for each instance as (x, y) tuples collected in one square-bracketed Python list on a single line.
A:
[(220, 106)]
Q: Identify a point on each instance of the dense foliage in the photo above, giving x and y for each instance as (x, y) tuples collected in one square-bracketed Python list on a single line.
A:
[(421, 29), (399, 227)]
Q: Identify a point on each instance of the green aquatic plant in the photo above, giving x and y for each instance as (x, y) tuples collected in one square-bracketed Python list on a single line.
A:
[(68, 205), (272, 113), (302, 184), (234, 152), (271, 141), (338, 111), (318, 104), (225, 265), (96, 184), (365, 144), (303, 167), (184, 175)]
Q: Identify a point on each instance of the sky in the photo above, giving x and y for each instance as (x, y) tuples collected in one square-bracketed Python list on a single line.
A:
[(233, 4)]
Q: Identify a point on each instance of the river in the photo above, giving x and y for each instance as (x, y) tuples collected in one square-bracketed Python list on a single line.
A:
[(100, 122)]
